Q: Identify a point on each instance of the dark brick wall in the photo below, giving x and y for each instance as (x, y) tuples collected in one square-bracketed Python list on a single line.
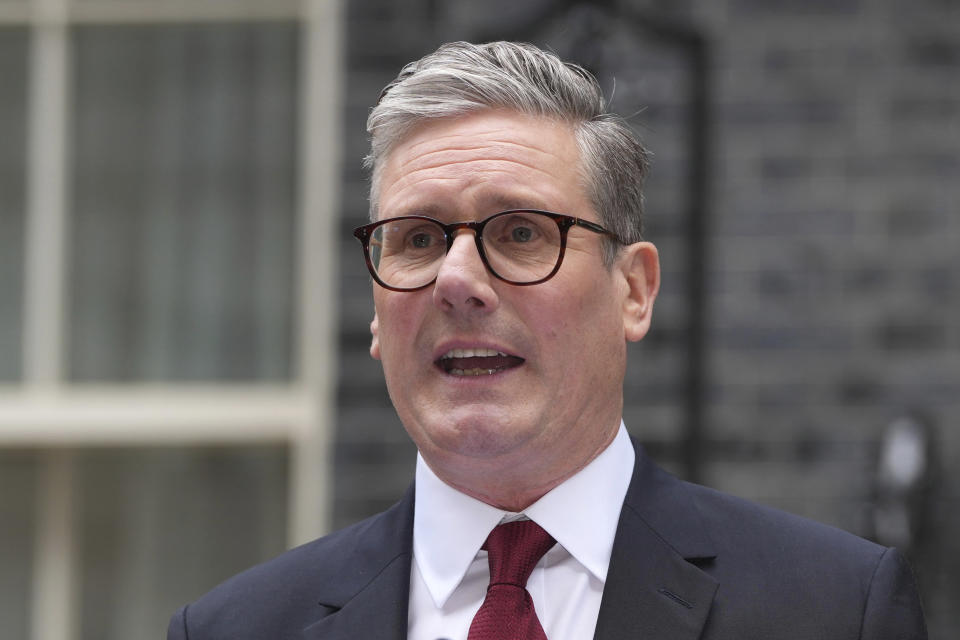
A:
[(833, 262)]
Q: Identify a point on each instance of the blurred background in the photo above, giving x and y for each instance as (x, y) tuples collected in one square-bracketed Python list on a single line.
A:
[(185, 388)]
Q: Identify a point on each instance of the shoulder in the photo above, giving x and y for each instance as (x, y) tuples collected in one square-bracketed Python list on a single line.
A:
[(283, 595), (776, 571), (734, 523), (696, 518), (792, 572)]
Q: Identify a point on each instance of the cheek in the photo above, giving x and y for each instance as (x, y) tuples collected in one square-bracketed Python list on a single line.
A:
[(568, 327), (396, 324), (596, 326)]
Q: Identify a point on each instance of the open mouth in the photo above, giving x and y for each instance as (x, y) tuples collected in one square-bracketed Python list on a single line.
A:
[(477, 362)]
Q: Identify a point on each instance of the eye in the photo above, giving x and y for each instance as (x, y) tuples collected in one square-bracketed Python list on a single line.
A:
[(421, 240), (422, 235), (517, 229), (521, 234)]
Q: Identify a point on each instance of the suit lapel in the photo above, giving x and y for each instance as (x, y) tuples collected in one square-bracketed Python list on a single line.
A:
[(370, 582), (654, 590)]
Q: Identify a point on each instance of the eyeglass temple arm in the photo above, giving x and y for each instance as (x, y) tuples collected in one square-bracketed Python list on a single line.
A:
[(592, 226)]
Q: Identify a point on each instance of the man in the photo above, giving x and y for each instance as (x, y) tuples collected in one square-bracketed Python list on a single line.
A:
[(509, 275)]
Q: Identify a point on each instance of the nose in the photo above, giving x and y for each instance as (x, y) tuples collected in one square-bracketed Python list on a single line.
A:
[(463, 282)]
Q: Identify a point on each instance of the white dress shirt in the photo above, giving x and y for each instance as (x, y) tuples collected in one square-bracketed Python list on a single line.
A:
[(449, 574)]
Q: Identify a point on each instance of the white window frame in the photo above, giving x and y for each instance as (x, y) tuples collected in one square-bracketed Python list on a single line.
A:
[(48, 412)]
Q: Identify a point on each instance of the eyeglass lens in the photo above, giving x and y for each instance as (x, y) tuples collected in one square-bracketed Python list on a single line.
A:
[(519, 246)]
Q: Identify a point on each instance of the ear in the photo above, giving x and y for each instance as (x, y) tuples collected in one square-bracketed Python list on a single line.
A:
[(374, 337), (640, 263)]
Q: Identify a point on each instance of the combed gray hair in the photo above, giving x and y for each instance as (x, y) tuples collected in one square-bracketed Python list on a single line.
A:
[(461, 78)]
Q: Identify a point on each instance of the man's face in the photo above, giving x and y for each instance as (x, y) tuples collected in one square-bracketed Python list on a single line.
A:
[(554, 401)]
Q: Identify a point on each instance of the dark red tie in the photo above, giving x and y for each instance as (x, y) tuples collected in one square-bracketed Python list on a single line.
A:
[(507, 612)]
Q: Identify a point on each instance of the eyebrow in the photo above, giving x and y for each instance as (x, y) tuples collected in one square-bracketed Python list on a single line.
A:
[(503, 202), (494, 203), (430, 210)]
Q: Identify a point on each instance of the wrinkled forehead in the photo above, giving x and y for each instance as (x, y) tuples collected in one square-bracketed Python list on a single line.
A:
[(483, 161), (488, 134)]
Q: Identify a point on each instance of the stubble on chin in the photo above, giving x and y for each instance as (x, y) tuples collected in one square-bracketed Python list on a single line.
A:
[(467, 438)]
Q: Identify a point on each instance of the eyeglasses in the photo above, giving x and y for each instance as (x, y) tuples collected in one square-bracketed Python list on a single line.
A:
[(520, 246)]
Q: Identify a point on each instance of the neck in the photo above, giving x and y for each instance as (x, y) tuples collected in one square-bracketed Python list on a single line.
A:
[(511, 483)]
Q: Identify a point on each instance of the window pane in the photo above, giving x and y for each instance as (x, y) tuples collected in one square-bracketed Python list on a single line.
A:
[(18, 489), (13, 124), (160, 527), (184, 196)]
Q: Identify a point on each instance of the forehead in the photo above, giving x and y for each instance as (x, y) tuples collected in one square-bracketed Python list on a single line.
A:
[(490, 160)]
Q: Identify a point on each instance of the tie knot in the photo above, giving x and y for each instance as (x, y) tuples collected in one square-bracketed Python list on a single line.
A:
[(514, 549)]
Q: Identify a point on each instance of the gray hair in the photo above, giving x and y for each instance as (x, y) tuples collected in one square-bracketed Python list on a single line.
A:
[(461, 78)]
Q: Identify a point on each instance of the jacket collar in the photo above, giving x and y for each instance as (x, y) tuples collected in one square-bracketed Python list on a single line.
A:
[(654, 589), (368, 593)]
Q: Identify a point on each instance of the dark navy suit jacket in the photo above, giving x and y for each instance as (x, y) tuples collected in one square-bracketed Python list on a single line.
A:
[(688, 562)]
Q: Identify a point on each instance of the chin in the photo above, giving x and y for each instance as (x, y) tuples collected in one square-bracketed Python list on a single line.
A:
[(477, 436)]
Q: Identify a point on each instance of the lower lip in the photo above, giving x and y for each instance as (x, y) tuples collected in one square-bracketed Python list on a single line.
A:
[(486, 374), (474, 373)]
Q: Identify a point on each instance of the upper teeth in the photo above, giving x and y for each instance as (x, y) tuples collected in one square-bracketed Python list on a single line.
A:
[(472, 353)]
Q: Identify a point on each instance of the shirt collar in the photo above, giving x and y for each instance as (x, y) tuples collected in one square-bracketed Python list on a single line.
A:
[(581, 513)]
